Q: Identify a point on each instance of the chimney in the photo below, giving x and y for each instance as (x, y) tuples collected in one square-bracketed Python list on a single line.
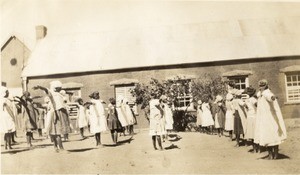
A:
[(41, 32)]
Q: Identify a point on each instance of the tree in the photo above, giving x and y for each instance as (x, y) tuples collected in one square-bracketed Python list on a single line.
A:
[(208, 86)]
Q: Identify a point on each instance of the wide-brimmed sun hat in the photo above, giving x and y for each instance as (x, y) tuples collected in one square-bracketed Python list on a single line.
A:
[(263, 83)]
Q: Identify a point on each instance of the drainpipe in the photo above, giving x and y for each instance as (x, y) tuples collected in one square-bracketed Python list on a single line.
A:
[(24, 84)]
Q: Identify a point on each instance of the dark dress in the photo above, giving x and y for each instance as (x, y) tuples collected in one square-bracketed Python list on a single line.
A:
[(220, 113), (113, 122), (238, 127), (29, 117)]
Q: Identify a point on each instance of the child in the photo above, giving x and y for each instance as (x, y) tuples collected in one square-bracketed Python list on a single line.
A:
[(270, 128), (208, 121), (168, 113), (199, 115), (97, 117), (82, 119), (112, 120), (220, 115)]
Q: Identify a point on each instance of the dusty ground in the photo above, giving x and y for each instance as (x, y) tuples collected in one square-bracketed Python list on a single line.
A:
[(195, 153)]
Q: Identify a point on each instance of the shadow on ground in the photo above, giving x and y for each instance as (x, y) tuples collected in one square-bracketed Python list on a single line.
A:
[(15, 150), (80, 150), (280, 156)]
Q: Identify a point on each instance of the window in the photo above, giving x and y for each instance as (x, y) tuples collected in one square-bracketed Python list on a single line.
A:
[(293, 87), (292, 83), (240, 82), (123, 91), (240, 77), (185, 97)]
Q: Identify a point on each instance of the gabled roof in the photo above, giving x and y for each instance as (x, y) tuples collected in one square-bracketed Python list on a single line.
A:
[(265, 35), (5, 41)]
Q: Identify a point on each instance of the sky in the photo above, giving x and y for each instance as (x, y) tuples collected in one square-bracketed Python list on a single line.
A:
[(19, 17)]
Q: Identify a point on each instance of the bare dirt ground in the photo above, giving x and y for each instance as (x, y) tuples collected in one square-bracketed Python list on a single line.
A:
[(194, 153)]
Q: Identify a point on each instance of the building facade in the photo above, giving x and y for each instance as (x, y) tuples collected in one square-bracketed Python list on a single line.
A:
[(14, 56), (282, 73)]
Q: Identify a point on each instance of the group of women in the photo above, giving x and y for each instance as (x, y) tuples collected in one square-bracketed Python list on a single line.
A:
[(53, 116), (254, 116)]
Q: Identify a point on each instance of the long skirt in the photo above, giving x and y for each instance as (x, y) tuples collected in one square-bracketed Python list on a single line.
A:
[(122, 117), (6, 123), (238, 127), (229, 120), (54, 123), (250, 127), (40, 123), (65, 122)]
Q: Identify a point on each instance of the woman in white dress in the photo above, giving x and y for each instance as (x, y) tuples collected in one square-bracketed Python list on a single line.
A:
[(121, 115), (129, 116), (97, 117), (270, 129), (208, 120), (7, 124), (250, 104), (229, 118), (156, 116), (199, 115)]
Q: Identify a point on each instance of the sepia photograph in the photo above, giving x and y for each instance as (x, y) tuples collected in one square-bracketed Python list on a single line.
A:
[(150, 87)]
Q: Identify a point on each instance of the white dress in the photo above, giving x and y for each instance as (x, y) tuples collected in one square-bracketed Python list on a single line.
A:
[(129, 115), (207, 116), (156, 119), (122, 116), (270, 128), (97, 117), (251, 116), (82, 120), (7, 124), (229, 118), (49, 114), (168, 118), (199, 116)]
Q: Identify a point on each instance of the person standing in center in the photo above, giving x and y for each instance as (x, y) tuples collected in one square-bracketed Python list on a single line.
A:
[(57, 113), (97, 117), (156, 115), (113, 122)]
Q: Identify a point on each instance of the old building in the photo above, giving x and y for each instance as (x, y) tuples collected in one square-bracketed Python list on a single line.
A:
[(14, 56), (243, 48)]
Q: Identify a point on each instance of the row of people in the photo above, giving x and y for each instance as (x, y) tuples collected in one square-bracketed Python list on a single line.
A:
[(255, 117)]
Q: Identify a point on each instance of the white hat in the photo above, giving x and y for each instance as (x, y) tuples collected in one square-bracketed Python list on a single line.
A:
[(219, 98), (229, 96), (54, 84)]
